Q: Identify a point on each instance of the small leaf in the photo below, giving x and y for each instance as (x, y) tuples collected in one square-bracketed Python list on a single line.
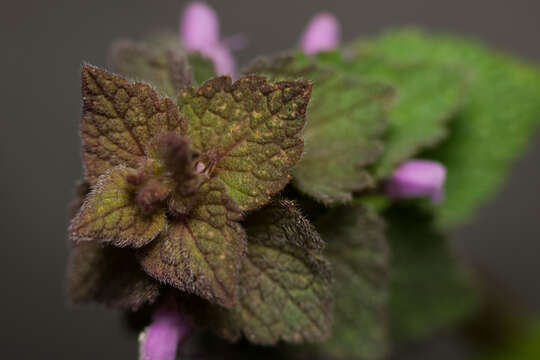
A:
[(119, 119), (359, 256), (284, 283), (161, 61), (109, 275), (430, 290), (247, 133), (346, 120), (201, 252), (110, 214)]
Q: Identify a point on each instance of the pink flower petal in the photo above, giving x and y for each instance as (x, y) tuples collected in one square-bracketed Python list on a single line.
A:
[(321, 34), (222, 58), (160, 339), (199, 31), (199, 27), (418, 178)]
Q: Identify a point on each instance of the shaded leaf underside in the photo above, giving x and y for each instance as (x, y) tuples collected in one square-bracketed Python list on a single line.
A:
[(346, 120), (359, 255), (201, 253), (160, 61), (109, 275), (430, 290), (247, 133)]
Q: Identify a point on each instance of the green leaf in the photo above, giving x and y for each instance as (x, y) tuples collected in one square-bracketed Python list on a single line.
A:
[(427, 96), (247, 134), (359, 255), (161, 61), (202, 68), (284, 283), (119, 119), (110, 214), (501, 115), (346, 120), (109, 275), (201, 252), (430, 291)]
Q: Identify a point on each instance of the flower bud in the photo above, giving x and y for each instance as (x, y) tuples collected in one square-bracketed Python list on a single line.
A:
[(222, 58), (321, 34), (199, 31), (160, 339), (151, 195), (199, 27), (418, 178)]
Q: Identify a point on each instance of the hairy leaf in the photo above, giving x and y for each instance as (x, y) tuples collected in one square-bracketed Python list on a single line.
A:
[(359, 255), (429, 289), (110, 214), (427, 97), (346, 120), (284, 283), (109, 275), (494, 127), (119, 119), (201, 253), (161, 61), (82, 189), (247, 133)]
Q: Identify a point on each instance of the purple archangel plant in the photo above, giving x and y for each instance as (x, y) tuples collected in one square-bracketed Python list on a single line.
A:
[(266, 208)]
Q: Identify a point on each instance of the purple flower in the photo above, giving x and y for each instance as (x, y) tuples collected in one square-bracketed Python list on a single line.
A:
[(199, 31), (160, 339), (321, 34), (418, 178)]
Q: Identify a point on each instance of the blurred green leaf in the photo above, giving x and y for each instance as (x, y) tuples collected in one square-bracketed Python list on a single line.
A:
[(202, 68), (523, 347), (162, 61), (429, 290), (501, 114), (427, 96), (359, 256)]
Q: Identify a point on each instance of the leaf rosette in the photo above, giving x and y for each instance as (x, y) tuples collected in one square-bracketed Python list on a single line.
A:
[(173, 180)]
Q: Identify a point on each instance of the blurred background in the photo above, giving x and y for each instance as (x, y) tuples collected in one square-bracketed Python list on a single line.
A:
[(44, 44)]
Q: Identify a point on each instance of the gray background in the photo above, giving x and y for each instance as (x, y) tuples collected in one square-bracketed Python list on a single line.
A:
[(43, 44)]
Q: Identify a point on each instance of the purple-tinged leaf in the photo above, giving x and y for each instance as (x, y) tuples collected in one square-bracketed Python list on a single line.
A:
[(284, 282), (119, 119), (247, 133), (111, 214), (202, 250)]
